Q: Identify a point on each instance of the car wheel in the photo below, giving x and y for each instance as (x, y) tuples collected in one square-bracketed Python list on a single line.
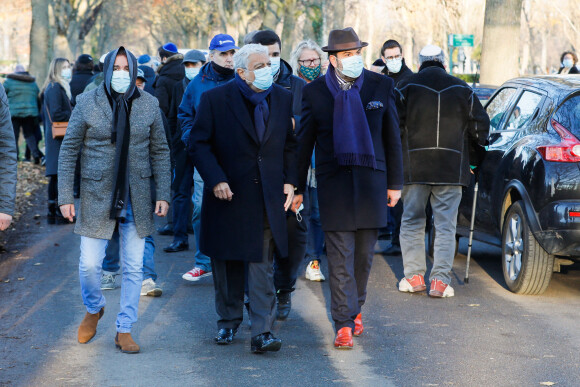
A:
[(431, 232), (527, 267)]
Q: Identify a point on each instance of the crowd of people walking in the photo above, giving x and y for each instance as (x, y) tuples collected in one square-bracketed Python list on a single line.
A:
[(273, 165)]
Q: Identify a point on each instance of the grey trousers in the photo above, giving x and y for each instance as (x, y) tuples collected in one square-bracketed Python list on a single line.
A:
[(229, 284), (445, 204), (350, 256)]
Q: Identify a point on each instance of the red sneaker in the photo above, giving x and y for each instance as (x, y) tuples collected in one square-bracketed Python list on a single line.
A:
[(343, 338), (358, 326), (413, 284), (196, 274), (440, 289)]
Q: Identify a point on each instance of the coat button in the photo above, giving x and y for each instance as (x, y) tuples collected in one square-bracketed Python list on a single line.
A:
[(259, 157), (256, 181)]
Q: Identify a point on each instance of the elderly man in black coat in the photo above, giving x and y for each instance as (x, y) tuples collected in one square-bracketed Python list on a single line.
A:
[(243, 145), (350, 115), (440, 119)]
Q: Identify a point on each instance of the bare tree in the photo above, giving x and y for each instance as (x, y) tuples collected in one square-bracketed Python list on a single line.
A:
[(73, 20), (501, 37), (39, 40)]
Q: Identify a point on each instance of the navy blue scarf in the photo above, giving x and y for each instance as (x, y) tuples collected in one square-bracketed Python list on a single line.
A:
[(261, 110), (353, 144)]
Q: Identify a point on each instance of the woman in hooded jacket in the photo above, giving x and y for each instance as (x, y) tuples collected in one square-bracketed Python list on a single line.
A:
[(56, 96), (119, 133)]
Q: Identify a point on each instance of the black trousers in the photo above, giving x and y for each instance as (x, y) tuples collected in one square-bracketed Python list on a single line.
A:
[(350, 256), (286, 269), (229, 279), (28, 125), (181, 185)]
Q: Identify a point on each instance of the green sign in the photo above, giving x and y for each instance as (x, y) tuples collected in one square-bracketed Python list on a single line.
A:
[(460, 40)]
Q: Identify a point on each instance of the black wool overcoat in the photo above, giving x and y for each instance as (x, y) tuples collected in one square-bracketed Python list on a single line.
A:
[(351, 198), (224, 147)]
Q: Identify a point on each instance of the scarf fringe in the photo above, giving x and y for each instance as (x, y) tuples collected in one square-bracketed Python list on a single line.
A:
[(357, 159)]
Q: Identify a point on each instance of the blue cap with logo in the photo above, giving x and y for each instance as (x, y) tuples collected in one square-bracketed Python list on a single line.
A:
[(223, 42)]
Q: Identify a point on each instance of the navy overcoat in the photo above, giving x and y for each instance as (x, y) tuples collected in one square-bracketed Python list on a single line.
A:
[(224, 147), (351, 198)]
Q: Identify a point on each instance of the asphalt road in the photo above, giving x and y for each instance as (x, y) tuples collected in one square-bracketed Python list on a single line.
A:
[(485, 336)]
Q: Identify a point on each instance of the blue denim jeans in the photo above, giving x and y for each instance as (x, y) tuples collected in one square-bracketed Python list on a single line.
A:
[(445, 204), (314, 248), (90, 264), (201, 260), (111, 263)]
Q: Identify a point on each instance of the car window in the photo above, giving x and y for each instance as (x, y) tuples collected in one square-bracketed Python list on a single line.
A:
[(497, 107), (523, 111), (568, 115)]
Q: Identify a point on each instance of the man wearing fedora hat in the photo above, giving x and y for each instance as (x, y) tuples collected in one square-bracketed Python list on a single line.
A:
[(350, 115)]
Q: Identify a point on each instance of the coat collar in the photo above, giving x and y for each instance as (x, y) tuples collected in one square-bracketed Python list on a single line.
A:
[(103, 101)]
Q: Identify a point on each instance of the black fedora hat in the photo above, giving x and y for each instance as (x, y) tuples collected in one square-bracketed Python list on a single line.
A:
[(343, 40)]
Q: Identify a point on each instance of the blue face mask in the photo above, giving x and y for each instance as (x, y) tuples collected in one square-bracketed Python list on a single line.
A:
[(120, 81), (275, 64), (191, 72), (352, 66), (568, 63), (263, 79)]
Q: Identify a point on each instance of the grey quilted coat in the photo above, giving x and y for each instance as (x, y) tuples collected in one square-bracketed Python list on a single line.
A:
[(90, 127)]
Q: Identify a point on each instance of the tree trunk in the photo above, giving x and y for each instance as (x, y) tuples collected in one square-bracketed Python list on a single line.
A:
[(501, 37), (288, 30), (39, 41)]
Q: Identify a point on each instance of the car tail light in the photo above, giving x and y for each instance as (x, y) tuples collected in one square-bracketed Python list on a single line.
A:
[(567, 151)]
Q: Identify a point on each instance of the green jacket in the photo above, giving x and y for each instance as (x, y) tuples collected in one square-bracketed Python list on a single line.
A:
[(22, 93)]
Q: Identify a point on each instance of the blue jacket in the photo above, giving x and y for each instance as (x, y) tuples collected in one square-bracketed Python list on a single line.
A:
[(207, 79)]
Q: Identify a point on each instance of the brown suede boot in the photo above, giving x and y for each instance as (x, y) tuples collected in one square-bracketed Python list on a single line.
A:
[(88, 327), (125, 343)]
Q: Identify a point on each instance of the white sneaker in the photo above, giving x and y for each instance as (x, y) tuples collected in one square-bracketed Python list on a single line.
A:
[(313, 272), (108, 281), (150, 288)]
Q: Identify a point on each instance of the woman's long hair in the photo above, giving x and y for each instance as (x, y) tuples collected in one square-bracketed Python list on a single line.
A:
[(54, 76)]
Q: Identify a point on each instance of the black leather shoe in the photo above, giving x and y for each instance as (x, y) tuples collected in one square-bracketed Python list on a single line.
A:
[(176, 246), (284, 305), (265, 342), (225, 336), (165, 230)]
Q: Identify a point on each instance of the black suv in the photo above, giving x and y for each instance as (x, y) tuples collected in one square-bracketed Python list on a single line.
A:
[(529, 181)]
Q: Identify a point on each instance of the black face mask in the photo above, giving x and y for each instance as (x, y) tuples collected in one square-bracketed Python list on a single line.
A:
[(222, 70)]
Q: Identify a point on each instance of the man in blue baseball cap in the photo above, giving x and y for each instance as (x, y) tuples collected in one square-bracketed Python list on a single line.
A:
[(219, 70)]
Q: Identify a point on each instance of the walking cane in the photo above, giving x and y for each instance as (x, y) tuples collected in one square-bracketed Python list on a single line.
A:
[(475, 189)]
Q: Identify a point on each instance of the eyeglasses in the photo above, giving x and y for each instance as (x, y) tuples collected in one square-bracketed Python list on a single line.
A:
[(394, 57), (309, 62)]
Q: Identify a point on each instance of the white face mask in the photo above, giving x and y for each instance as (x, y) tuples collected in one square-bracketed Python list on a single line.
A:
[(568, 63), (191, 72), (394, 65), (352, 66), (120, 81), (275, 64), (66, 74)]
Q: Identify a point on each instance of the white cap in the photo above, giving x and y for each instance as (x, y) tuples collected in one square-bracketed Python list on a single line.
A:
[(430, 50), (102, 60)]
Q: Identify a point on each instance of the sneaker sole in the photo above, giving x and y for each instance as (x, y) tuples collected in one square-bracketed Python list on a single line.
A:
[(413, 290), (317, 279), (343, 347), (108, 287), (195, 279), (436, 294)]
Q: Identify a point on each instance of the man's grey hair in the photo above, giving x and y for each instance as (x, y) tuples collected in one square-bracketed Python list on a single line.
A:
[(437, 58), (249, 36), (303, 45), (241, 57)]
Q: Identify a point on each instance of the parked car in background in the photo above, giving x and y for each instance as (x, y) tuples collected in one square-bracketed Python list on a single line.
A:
[(483, 92), (529, 181)]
